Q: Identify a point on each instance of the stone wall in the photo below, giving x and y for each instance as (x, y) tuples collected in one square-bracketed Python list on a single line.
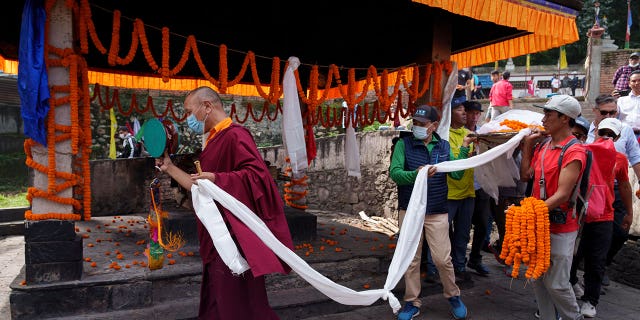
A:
[(330, 188)]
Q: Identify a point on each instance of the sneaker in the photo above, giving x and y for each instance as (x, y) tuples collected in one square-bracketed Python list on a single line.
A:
[(605, 280), (480, 268), (588, 310), (409, 311), (458, 309), (578, 291)]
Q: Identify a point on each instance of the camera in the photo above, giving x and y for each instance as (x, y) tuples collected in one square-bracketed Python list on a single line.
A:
[(557, 216)]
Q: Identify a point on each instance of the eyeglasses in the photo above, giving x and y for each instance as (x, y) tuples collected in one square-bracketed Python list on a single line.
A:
[(611, 113)]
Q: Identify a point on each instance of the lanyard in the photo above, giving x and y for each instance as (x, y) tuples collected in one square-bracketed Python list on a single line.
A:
[(543, 192)]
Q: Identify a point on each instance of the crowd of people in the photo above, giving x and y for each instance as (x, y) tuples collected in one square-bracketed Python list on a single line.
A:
[(603, 149), (579, 238), (470, 81), (457, 203)]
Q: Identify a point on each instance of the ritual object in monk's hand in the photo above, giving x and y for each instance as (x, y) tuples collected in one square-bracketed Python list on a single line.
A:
[(159, 136)]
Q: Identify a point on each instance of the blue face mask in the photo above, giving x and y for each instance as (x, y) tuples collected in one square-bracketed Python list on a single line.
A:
[(195, 125), (420, 133)]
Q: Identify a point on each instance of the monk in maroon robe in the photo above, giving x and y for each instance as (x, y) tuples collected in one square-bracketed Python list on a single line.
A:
[(231, 160)]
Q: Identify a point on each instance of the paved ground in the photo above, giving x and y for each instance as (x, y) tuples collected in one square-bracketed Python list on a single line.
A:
[(11, 261), (499, 297), (493, 297)]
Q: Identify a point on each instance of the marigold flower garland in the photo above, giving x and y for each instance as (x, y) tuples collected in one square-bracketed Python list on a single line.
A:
[(515, 125), (78, 131), (291, 195), (527, 238)]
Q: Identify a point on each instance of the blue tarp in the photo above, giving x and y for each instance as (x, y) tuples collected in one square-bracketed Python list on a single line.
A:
[(485, 80), (33, 82)]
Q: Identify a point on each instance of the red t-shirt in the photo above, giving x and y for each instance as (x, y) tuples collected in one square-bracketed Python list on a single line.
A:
[(501, 93), (552, 173)]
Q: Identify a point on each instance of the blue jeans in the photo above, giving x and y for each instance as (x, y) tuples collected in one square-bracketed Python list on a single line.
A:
[(460, 215)]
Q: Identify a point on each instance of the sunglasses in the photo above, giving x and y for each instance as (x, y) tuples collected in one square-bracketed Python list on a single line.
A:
[(611, 113)]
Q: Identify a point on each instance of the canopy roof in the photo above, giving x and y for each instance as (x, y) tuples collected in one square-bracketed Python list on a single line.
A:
[(355, 34)]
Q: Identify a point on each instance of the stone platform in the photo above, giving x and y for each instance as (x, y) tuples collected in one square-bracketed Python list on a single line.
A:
[(133, 291)]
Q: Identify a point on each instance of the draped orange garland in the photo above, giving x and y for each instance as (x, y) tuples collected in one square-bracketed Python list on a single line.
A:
[(349, 91), (79, 132)]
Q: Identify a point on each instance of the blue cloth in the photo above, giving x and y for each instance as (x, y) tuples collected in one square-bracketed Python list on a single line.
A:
[(33, 82)]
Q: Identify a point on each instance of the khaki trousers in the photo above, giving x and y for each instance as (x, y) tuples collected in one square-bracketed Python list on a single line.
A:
[(497, 110), (436, 231)]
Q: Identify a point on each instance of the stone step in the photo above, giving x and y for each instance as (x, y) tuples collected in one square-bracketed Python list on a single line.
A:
[(149, 291), (12, 214), (12, 228), (302, 225)]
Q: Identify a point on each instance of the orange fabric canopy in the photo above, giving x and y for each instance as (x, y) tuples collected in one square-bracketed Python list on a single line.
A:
[(548, 28)]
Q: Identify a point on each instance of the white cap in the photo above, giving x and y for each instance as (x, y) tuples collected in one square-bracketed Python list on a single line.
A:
[(564, 104), (612, 124)]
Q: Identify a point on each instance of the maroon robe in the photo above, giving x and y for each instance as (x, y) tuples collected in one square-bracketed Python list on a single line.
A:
[(241, 171)]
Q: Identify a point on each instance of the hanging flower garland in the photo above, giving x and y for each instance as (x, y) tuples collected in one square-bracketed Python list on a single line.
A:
[(87, 32), (291, 196), (527, 238), (78, 131)]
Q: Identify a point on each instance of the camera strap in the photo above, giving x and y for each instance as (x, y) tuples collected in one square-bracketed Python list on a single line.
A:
[(542, 182)]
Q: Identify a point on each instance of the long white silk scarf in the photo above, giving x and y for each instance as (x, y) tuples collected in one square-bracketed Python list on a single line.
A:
[(407, 243)]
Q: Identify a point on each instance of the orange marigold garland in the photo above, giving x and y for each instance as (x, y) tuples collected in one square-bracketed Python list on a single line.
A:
[(78, 131), (515, 125), (527, 238), (291, 195)]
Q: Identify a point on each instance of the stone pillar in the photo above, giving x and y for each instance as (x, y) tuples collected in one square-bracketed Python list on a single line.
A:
[(53, 252), (595, 60)]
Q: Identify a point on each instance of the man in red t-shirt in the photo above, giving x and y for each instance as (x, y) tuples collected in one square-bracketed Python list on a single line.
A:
[(501, 96), (555, 185), (597, 230)]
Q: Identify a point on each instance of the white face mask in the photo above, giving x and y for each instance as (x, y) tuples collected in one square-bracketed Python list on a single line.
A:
[(420, 133), (633, 65), (122, 135)]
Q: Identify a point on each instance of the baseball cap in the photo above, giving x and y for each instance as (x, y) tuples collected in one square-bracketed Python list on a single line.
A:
[(612, 124), (426, 113), (564, 104), (456, 101), (472, 105), (635, 54), (583, 123)]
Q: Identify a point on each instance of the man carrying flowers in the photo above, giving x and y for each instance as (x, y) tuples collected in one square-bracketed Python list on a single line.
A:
[(554, 183)]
